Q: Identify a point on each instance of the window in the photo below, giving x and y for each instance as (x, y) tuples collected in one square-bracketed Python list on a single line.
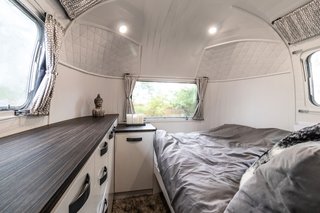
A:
[(313, 64), (20, 36), (158, 99)]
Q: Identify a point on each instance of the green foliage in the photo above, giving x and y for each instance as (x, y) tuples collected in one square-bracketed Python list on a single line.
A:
[(185, 101), (161, 103)]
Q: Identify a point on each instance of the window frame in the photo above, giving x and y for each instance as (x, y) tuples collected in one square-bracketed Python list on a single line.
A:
[(309, 79), (37, 59), (168, 118)]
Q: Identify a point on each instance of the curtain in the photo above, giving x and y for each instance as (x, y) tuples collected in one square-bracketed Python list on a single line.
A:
[(74, 8), (201, 86), (301, 24), (54, 32), (129, 83)]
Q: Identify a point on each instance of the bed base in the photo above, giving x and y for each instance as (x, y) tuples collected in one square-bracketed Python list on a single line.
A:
[(161, 184)]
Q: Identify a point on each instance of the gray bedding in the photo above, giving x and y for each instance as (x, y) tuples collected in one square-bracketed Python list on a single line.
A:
[(202, 170), (288, 183)]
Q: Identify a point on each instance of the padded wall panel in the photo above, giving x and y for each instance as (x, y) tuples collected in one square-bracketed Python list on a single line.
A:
[(100, 51), (244, 59)]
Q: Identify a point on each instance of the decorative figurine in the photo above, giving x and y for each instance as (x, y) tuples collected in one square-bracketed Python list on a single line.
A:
[(98, 111)]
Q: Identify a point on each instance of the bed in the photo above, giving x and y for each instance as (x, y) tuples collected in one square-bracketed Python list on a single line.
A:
[(201, 171)]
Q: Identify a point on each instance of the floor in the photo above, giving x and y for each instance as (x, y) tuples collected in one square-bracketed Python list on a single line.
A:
[(141, 204)]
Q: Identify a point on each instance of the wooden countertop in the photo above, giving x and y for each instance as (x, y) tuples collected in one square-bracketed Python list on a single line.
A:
[(37, 166)]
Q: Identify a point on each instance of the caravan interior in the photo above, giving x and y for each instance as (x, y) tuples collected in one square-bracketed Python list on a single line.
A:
[(159, 106)]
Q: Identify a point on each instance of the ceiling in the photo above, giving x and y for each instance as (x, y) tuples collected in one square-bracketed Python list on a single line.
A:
[(173, 34)]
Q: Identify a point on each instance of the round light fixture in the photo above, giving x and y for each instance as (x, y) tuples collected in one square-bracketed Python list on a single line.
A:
[(123, 29), (212, 30)]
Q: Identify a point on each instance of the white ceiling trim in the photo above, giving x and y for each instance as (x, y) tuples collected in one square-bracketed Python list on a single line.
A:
[(251, 77), (87, 72), (141, 78), (242, 40)]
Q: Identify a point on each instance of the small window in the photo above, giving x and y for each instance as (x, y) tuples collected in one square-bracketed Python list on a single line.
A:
[(20, 36), (165, 100), (313, 64)]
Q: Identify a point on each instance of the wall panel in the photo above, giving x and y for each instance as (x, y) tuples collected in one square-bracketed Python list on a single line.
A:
[(260, 102)]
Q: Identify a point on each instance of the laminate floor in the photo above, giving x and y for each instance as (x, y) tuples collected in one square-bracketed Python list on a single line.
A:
[(141, 204)]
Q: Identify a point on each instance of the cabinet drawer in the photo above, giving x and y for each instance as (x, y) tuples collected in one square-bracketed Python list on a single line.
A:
[(133, 161), (79, 192), (103, 168)]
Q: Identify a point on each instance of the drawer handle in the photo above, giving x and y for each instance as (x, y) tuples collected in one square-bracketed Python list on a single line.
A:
[(111, 135), (82, 198), (104, 149), (105, 175), (105, 210), (134, 139)]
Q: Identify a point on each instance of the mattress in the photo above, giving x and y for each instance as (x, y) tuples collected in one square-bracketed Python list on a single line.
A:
[(201, 171)]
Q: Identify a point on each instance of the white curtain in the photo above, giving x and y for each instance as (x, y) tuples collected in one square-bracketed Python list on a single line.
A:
[(202, 87), (40, 104), (74, 8), (129, 83)]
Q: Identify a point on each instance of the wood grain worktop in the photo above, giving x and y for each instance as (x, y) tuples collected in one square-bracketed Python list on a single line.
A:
[(37, 166)]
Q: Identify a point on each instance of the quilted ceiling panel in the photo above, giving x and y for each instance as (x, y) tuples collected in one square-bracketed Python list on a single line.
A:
[(244, 59), (100, 51)]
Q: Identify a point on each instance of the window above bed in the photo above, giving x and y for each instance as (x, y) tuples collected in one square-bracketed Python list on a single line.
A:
[(165, 100), (313, 67)]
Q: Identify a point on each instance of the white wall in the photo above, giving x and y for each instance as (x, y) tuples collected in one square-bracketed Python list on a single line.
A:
[(258, 102), (75, 91), (302, 50), (12, 124)]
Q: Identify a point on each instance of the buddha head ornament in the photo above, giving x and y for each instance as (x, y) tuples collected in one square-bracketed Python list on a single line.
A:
[(98, 111)]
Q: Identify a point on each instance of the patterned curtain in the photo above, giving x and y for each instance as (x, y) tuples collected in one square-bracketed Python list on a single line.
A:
[(202, 87), (129, 83), (74, 8), (301, 24), (54, 32)]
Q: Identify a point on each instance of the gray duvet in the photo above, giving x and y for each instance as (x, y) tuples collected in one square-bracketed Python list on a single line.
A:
[(288, 183), (202, 170)]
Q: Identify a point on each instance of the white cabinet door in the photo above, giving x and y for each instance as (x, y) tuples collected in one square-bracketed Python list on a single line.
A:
[(89, 185), (110, 183), (103, 158), (79, 191), (133, 161)]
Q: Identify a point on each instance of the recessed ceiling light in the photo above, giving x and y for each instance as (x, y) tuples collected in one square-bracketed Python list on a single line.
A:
[(212, 30), (123, 29)]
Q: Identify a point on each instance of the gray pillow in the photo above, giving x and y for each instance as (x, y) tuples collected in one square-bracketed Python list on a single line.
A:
[(289, 182)]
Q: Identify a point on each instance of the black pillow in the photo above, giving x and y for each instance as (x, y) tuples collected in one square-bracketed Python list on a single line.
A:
[(311, 133)]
